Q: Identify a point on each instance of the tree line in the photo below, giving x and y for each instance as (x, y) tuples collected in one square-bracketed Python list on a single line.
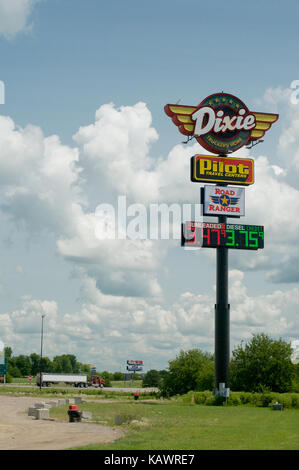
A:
[(261, 364), (24, 366)]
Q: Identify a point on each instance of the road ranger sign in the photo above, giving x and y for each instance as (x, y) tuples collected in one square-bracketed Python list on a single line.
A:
[(223, 200), (221, 123)]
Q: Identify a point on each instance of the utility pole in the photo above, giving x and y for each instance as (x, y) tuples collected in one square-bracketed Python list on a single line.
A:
[(41, 352)]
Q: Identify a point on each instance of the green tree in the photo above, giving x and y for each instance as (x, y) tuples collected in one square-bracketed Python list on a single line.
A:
[(117, 376), (106, 376), (263, 363), (62, 364), (35, 363), (186, 371), (23, 364), (47, 365), (152, 379), (7, 352)]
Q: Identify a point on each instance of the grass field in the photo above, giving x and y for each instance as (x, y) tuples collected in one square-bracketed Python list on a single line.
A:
[(170, 425), (127, 384)]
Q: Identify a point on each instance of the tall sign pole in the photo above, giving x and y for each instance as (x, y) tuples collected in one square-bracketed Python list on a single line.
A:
[(222, 336), (222, 124)]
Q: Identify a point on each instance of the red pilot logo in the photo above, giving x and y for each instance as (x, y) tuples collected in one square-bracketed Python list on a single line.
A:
[(221, 123)]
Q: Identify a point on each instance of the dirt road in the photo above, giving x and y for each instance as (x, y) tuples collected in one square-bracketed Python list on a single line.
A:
[(18, 431)]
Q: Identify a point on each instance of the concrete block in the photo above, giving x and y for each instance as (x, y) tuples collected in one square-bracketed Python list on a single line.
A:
[(52, 404), (71, 401), (78, 400), (86, 414), (42, 413), (32, 411), (61, 401), (39, 405)]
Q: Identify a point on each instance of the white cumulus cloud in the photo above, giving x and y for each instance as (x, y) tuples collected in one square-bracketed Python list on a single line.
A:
[(15, 16)]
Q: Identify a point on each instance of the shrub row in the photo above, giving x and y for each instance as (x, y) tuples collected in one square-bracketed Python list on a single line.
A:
[(288, 400)]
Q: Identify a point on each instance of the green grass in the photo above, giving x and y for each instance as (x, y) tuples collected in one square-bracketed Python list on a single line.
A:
[(127, 384), (170, 425), (23, 380)]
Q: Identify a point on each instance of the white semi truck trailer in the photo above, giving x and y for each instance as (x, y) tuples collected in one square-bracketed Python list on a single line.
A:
[(78, 380)]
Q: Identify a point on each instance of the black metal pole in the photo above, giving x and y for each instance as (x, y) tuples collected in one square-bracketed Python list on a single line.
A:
[(41, 353), (222, 349)]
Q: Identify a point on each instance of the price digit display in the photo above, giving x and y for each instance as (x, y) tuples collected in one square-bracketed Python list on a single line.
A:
[(235, 236)]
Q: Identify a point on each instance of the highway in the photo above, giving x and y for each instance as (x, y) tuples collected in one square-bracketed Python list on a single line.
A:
[(106, 389)]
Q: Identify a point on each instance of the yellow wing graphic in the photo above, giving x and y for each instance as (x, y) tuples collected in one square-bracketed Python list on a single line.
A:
[(263, 122), (181, 117)]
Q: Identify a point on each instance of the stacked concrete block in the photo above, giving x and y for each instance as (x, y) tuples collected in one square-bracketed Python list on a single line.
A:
[(39, 405), (52, 404), (41, 409), (42, 405), (42, 413), (32, 412), (61, 401)]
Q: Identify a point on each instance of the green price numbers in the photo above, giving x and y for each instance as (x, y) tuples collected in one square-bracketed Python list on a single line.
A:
[(245, 238)]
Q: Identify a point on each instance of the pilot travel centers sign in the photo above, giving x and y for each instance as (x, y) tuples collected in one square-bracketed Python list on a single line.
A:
[(212, 169)]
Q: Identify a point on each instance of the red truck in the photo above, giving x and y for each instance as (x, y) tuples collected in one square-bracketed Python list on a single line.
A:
[(97, 381)]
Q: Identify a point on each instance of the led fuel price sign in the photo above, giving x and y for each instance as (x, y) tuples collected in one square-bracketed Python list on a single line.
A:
[(209, 235)]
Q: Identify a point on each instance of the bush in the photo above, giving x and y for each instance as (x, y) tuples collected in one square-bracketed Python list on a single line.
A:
[(234, 400), (262, 363), (264, 400), (202, 397)]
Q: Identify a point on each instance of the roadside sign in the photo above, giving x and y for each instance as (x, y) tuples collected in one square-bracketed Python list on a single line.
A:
[(212, 169), (3, 367), (220, 200), (210, 235), (221, 123)]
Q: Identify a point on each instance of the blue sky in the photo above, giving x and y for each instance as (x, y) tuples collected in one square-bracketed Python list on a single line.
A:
[(61, 61)]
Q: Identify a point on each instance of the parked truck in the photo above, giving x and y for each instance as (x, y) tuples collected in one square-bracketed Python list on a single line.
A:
[(78, 380)]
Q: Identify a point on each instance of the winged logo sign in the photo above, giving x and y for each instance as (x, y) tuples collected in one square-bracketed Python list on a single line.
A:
[(221, 123)]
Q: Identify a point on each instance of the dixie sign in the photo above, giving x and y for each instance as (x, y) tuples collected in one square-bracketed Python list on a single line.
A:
[(221, 123)]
